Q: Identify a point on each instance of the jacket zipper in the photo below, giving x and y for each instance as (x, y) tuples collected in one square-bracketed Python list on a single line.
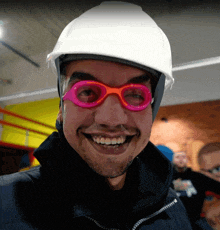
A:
[(154, 214), (99, 225), (141, 220)]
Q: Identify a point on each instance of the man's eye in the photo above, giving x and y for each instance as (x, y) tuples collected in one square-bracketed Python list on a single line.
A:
[(215, 170), (87, 96), (134, 99), (86, 93), (135, 96), (209, 198)]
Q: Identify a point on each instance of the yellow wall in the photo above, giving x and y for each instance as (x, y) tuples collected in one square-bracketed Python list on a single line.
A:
[(44, 111)]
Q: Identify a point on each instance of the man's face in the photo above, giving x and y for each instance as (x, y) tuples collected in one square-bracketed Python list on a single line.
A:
[(180, 159), (109, 122), (210, 165)]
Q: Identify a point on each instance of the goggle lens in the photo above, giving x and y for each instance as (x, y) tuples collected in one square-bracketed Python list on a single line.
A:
[(134, 96), (88, 93)]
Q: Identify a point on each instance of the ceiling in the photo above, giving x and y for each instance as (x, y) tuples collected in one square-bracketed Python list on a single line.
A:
[(33, 27)]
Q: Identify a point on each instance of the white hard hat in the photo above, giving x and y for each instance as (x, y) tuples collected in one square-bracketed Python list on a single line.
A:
[(116, 31)]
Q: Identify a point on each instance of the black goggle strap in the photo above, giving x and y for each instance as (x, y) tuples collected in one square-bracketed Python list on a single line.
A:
[(59, 85), (158, 94)]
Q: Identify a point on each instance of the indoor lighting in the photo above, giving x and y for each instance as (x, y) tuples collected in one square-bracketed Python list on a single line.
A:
[(1, 29), (1, 32), (196, 64), (28, 94)]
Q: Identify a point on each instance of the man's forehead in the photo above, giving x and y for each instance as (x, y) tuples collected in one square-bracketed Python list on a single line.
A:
[(210, 160), (210, 155), (101, 66), (67, 59), (107, 72)]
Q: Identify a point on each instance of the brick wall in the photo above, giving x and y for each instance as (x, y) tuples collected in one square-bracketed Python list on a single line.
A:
[(187, 127)]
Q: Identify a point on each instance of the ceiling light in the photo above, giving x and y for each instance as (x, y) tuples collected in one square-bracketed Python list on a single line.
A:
[(1, 29), (196, 64), (28, 94), (1, 32)]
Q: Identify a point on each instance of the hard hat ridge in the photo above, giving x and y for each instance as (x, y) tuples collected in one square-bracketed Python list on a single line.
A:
[(113, 14)]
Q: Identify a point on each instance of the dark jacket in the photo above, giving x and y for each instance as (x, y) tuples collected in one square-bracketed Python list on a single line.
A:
[(193, 194), (64, 193)]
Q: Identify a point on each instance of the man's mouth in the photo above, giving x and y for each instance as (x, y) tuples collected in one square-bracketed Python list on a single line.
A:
[(109, 142)]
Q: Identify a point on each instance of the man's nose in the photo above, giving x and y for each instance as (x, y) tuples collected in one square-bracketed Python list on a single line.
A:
[(111, 112)]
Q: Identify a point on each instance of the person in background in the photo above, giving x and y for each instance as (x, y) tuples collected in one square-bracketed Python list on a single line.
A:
[(209, 160), (209, 163), (192, 187), (100, 171)]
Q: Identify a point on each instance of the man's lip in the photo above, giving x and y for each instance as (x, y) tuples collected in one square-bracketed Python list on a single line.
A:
[(109, 150), (110, 135)]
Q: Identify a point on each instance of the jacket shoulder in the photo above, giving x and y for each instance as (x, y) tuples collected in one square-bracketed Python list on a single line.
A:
[(13, 195), (23, 176)]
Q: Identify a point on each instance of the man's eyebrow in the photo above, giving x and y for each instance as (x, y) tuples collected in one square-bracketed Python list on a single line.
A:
[(86, 76), (139, 79), (215, 166), (81, 76)]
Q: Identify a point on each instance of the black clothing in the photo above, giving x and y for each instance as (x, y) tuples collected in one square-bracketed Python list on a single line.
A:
[(193, 195), (64, 193)]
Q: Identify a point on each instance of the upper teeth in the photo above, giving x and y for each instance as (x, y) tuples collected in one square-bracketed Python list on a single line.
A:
[(109, 141)]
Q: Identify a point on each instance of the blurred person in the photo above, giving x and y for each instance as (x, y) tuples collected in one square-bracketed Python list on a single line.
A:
[(99, 171), (209, 163), (192, 187), (211, 209), (209, 160)]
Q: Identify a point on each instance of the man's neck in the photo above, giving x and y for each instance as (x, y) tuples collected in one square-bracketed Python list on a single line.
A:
[(116, 183), (180, 170)]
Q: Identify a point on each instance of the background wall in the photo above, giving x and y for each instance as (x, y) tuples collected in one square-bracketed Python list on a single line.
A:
[(187, 127), (44, 111)]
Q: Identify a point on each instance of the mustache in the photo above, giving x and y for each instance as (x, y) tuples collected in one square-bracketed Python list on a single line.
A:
[(110, 129)]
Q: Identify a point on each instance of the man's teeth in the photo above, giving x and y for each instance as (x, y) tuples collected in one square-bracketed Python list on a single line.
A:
[(109, 141)]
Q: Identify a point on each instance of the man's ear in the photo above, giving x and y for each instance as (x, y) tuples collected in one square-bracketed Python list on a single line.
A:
[(60, 116)]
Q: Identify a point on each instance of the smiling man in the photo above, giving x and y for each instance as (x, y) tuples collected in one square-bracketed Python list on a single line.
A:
[(99, 171), (108, 137)]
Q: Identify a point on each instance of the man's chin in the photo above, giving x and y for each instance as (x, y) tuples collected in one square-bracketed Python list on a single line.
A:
[(110, 172), (114, 175)]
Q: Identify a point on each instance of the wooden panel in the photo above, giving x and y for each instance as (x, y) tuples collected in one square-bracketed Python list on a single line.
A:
[(187, 127)]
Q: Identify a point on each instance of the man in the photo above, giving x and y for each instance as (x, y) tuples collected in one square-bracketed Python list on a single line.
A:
[(209, 162), (100, 171), (192, 188)]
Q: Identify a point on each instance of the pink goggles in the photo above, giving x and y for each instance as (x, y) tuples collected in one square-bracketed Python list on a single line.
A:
[(88, 94)]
